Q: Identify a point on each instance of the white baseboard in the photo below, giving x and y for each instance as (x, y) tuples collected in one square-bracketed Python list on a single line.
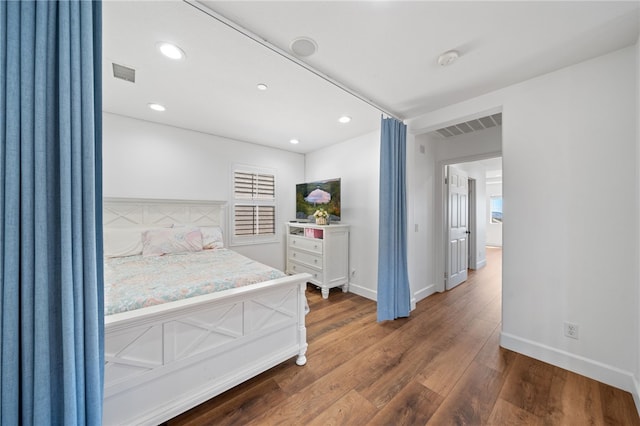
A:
[(604, 373), (636, 394), (481, 264), (373, 295), (363, 291), (425, 292)]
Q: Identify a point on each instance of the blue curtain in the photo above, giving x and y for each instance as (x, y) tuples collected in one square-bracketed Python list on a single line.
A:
[(394, 299), (51, 299)]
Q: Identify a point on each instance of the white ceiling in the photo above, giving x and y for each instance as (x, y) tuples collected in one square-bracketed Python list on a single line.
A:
[(492, 167), (384, 50)]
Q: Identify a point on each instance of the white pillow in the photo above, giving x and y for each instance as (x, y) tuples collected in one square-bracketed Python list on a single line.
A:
[(120, 242), (161, 241), (212, 237)]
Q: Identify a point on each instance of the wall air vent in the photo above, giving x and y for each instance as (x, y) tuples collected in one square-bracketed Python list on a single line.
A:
[(124, 73), (472, 125)]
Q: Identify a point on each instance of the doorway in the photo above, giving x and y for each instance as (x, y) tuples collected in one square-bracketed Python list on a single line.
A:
[(483, 181), (475, 138)]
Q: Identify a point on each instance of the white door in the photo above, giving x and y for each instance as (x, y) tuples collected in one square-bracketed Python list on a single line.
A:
[(457, 189)]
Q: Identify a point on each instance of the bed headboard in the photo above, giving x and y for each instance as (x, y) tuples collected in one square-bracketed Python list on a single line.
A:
[(146, 212)]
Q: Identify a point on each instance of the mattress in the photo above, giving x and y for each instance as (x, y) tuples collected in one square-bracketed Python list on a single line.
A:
[(135, 282)]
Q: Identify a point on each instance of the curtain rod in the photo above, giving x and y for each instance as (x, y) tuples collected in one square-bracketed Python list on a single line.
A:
[(247, 33)]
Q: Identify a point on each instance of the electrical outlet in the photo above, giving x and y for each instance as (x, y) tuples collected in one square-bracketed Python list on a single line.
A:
[(571, 330)]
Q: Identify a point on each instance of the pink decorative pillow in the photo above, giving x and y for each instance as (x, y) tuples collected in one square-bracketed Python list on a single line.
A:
[(158, 242)]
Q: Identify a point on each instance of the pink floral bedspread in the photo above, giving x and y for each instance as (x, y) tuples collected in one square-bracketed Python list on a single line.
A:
[(135, 282)]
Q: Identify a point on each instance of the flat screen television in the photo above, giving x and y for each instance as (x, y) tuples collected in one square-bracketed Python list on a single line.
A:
[(311, 196)]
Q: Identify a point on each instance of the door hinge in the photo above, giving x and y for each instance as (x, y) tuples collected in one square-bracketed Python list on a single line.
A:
[(446, 276), (446, 181)]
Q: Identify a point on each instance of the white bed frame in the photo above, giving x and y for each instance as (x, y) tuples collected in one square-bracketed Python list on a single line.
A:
[(163, 360)]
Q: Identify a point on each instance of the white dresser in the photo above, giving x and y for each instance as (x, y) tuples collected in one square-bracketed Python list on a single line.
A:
[(320, 250)]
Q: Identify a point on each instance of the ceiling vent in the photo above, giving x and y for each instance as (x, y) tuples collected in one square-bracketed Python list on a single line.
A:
[(472, 125), (124, 73)]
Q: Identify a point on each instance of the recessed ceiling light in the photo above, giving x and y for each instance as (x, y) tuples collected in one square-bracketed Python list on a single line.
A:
[(157, 107), (344, 119), (294, 141), (262, 86), (303, 46), (171, 51), (448, 57)]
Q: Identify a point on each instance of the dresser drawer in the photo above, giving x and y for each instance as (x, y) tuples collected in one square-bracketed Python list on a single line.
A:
[(298, 268), (306, 258), (308, 244)]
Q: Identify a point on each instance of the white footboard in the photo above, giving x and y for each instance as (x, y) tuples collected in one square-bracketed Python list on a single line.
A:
[(163, 360)]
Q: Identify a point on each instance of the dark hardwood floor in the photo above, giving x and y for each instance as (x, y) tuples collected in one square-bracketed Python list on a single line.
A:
[(441, 366)]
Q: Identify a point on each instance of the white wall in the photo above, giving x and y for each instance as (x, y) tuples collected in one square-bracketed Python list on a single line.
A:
[(571, 198), (636, 394), (148, 160), (357, 163), (494, 230), (421, 213)]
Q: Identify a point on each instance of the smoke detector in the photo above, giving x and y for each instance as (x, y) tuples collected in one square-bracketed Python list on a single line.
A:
[(448, 57)]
